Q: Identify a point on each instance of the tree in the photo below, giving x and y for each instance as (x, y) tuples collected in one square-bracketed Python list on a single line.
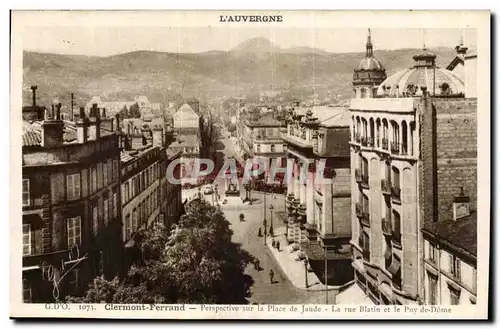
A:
[(134, 111), (123, 112), (207, 266), (195, 262)]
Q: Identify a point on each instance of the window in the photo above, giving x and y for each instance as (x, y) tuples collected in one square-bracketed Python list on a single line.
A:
[(257, 148), (105, 173), (365, 170), (432, 289), (74, 231), (95, 219), (115, 170), (454, 297), (366, 246), (127, 191), (110, 170), (74, 280), (395, 177), (115, 205), (396, 228), (132, 187), (273, 148), (106, 211), (128, 227), (432, 253), (26, 239), (27, 293), (26, 192), (73, 186), (455, 266), (99, 175), (94, 179), (134, 220)]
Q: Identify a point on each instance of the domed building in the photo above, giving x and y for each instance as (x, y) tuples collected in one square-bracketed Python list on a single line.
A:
[(424, 73), (369, 74)]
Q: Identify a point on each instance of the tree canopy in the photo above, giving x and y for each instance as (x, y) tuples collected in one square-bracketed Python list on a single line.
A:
[(134, 111), (195, 262)]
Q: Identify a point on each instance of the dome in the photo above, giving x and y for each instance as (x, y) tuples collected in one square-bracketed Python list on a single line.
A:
[(370, 63), (424, 73)]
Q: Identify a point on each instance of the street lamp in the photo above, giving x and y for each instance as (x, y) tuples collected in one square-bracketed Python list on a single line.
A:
[(264, 223), (271, 229), (305, 269)]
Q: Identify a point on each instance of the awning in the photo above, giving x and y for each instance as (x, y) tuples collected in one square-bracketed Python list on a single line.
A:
[(395, 266), (353, 295)]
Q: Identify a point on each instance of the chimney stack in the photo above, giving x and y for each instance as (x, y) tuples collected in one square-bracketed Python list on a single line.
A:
[(94, 130), (81, 127), (461, 205), (33, 95), (53, 128)]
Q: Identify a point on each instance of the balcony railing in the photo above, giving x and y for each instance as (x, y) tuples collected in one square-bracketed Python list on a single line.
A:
[(358, 175), (386, 226), (359, 210), (404, 150), (396, 239), (394, 148), (363, 141), (365, 219), (385, 186), (357, 138), (370, 141), (385, 143), (396, 193)]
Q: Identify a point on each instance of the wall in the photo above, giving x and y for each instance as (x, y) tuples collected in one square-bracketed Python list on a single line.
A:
[(470, 76), (186, 118)]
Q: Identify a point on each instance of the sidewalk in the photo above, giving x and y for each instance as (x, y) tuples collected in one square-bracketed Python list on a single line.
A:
[(291, 266)]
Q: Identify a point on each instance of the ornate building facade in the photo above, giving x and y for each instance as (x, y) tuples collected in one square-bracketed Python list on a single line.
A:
[(318, 213), (409, 164)]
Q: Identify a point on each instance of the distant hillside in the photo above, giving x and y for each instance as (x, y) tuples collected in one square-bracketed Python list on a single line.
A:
[(252, 66)]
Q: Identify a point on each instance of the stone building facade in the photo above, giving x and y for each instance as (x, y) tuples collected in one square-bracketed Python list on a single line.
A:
[(319, 213), (413, 147)]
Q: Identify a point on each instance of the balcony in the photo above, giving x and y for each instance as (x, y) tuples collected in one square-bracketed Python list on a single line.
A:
[(386, 226), (370, 141), (360, 178), (385, 186), (363, 141), (363, 215), (396, 239), (394, 148), (385, 143), (396, 194)]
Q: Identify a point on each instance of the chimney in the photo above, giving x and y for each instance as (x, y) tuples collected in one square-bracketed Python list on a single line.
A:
[(53, 128), (81, 127), (106, 123), (94, 123), (461, 205)]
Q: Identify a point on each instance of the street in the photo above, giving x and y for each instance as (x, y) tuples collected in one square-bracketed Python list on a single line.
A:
[(246, 233)]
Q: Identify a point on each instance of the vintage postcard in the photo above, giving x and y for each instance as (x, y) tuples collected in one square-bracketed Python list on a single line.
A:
[(250, 164)]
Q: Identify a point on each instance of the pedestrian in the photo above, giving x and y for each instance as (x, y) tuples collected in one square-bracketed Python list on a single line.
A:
[(278, 245), (260, 233), (271, 276)]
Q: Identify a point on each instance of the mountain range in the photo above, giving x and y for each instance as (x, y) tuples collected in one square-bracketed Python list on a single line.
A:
[(252, 66)]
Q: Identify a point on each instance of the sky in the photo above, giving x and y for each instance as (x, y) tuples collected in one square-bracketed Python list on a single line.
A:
[(110, 40)]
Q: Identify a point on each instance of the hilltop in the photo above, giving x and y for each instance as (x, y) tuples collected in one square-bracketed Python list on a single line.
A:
[(254, 65)]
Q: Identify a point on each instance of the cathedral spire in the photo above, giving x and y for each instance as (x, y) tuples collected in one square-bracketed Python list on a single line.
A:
[(369, 46)]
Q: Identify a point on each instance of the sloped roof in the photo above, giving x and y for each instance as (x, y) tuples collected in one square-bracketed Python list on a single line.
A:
[(460, 233), (32, 133), (336, 142)]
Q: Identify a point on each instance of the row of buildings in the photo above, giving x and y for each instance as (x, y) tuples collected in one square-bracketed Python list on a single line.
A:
[(399, 220), (88, 187)]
